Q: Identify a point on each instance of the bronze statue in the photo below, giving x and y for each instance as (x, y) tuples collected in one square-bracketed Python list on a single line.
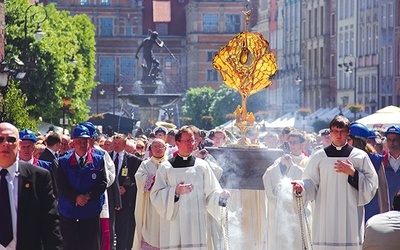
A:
[(151, 71), (147, 46)]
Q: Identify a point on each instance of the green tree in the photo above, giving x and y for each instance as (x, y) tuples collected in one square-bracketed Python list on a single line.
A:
[(226, 101), (16, 110), (52, 76), (197, 105)]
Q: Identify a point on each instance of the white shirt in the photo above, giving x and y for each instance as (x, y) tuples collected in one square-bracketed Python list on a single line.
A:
[(394, 162), (79, 157), (13, 193), (120, 159), (53, 152)]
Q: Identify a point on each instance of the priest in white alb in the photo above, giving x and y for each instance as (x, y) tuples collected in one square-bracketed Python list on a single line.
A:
[(184, 191), (283, 213), (341, 179), (147, 232)]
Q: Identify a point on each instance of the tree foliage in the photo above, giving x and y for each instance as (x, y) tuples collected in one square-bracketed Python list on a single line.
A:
[(225, 102), (51, 74), (16, 110), (205, 102), (197, 105)]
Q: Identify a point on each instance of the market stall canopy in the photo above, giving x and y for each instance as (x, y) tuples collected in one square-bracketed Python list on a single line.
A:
[(383, 118)]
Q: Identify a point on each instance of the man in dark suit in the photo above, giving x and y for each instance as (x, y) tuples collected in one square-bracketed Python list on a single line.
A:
[(126, 166), (30, 219), (53, 144)]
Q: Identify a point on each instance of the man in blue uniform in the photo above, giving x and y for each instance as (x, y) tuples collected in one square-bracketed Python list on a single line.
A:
[(82, 181)]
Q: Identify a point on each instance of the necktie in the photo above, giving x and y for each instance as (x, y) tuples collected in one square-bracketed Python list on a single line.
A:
[(116, 161), (6, 231), (81, 161)]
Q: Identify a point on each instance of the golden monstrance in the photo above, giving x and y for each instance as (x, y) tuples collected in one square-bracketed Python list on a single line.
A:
[(246, 65)]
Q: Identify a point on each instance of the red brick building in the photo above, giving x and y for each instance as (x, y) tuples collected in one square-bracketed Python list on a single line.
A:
[(192, 30)]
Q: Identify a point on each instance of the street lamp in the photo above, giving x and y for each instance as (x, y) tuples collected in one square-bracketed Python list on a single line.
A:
[(4, 76), (66, 109), (38, 32), (349, 64), (299, 81), (119, 89), (101, 92)]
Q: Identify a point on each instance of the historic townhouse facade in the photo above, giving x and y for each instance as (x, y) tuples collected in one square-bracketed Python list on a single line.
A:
[(389, 93), (330, 53)]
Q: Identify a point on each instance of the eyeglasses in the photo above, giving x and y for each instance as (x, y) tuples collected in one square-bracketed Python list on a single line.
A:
[(339, 132), (9, 139), (293, 142), (191, 141), (158, 147), (139, 147)]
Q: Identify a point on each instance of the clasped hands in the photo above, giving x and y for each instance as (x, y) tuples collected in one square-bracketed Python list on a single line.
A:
[(82, 199), (185, 188)]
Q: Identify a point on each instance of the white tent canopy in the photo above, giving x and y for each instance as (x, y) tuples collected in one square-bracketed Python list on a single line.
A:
[(44, 127), (382, 118), (289, 120)]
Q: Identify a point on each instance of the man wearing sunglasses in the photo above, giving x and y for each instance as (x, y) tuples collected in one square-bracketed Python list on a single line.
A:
[(28, 213)]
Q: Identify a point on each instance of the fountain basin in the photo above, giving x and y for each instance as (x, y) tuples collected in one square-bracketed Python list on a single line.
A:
[(150, 100)]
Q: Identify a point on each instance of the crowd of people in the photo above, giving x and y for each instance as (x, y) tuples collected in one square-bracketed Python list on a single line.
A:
[(160, 189)]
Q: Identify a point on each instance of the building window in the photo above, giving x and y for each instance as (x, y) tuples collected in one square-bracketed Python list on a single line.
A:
[(83, 2), (107, 70), (105, 2), (210, 23), (232, 23), (162, 28), (171, 70), (390, 15), (210, 55), (212, 75), (309, 23), (128, 70), (383, 16), (106, 27), (390, 60), (322, 18), (128, 31), (333, 67), (333, 23)]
